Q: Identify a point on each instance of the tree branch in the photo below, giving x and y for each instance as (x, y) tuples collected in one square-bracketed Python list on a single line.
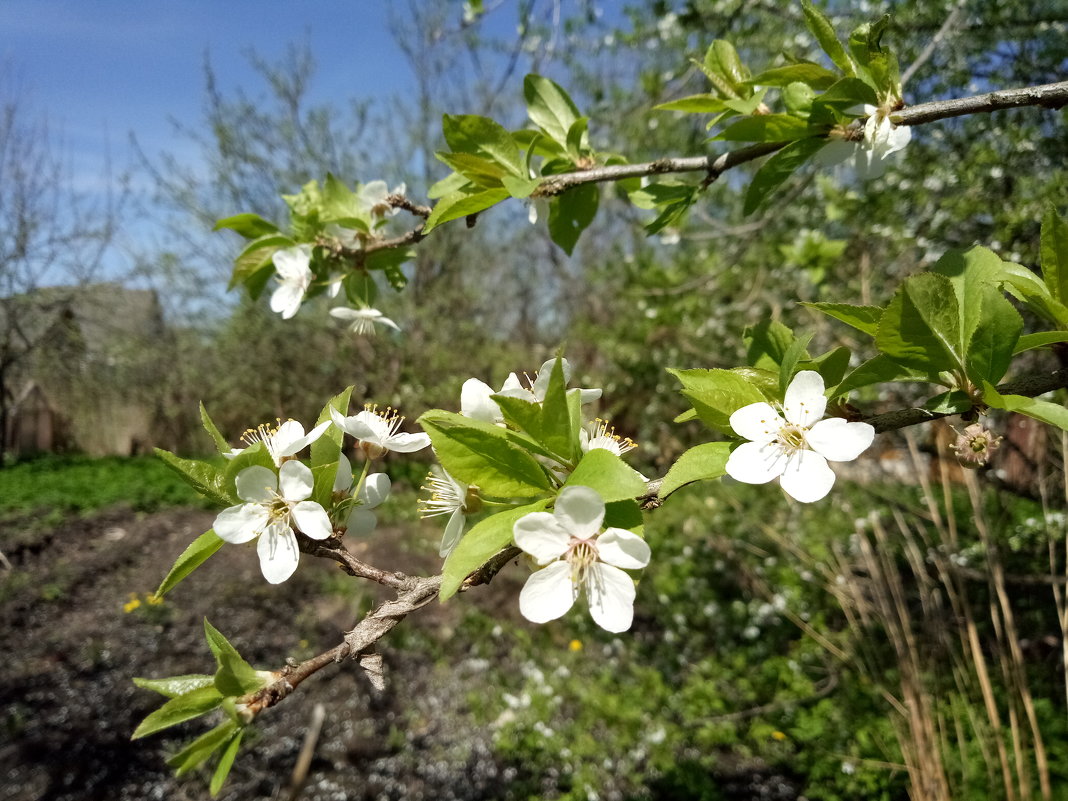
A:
[(1050, 95)]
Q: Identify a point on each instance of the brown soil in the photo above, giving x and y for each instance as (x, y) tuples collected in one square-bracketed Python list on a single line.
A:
[(67, 705)]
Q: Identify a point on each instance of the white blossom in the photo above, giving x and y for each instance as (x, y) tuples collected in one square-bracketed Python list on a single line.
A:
[(285, 439), (362, 322), (373, 492), (294, 276), (447, 496), (273, 505), (795, 449), (576, 554), (535, 393), (376, 431), (869, 157), (599, 434), (476, 399)]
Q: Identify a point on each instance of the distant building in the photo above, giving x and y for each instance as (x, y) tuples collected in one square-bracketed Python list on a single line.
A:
[(79, 370)]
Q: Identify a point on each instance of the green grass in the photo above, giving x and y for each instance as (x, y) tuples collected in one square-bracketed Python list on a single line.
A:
[(79, 484)]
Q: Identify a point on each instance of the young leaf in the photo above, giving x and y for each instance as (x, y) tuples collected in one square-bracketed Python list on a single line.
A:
[(461, 204), (578, 139), (480, 544), (250, 226), (571, 213), (327, 449), (767, 343), (520, 187), (832, 365), (226, 761), (716, 395), (953, 402), (790, 359), (812, 74), (549, 107), (257, 256), (178, 710), (1055, 414), (605, 472), (694, 104), (174, 686), (1054, 254), (920, 329), (798, 97), (863, 318), (199, 551), (778, 168), (766, 128), (235, 676), (480, 453), (481, 136), (213, 431), (699, 463), (824, 32), (201, 476), (255, 454), (559, 430), (725, 70), (198, 751), (877, 370), (1039, 340)]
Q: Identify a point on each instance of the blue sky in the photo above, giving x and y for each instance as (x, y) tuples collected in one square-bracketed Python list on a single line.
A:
[(101, 69)]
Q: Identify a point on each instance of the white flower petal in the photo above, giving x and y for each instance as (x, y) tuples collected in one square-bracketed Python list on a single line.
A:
[(407, 443), (295, 481), (545, 374), (756, 463), (383, 320), (622, 548), (294, 263), (278, 553), (311, 518), (541, 535), (286, 299), (900, 135), (580, 511), (361, 522), (454, 530), (757, 422), (588, 395), (256, 484), (241, 523), (548, 593), (343, 476), (807, 476), (359, 425), (839, 440), (344, 313), (288, 434), (805, 402), (476, 403), (610, 593), (375, 490)]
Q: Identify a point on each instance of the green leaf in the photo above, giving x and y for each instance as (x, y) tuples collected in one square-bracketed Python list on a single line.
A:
[(1028, 288), (767, 343), (462, 204), (257, 256), (822, 29), (250, 226), (235, 676), (199, 551), (920, 329), (201, 476), (255, 454), (481, 136), (480, 453), (694, 104), (1039, 340), (327, 449), (478, 170), (877, 370), (226, 762), (480, 544), (832, 365), (624, 514), (953, 402), (520, 187), (578, 139), (549, 107), (790, 359), (174, 686), (213, 431), (843, 96), (725, 70), (798, 97), (863, 318), (699, 463), (605, 472), (571, 213), (389, 261), (716, 395), (765, 128), (813, 74), (1054, 254), (989, 325), (178, 710), (198, 751), (1054, 414), (454, 182), (778, 168), (559, 430)]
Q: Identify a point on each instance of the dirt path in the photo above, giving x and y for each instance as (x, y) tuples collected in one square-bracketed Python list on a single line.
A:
[(67, 706)]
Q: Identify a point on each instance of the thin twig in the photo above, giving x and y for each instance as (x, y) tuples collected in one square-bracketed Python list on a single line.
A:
[(932, 45)]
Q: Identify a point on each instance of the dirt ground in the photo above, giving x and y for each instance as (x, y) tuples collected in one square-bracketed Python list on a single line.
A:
[(67, 705)]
